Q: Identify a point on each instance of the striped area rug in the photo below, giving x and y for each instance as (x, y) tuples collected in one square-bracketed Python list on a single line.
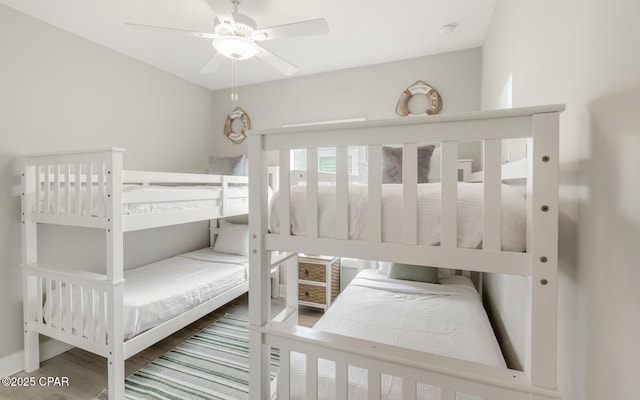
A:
[(212, 364)]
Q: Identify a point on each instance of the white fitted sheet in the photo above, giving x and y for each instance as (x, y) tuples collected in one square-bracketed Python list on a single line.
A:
[(446, 319), (470, 200), (157, 292)]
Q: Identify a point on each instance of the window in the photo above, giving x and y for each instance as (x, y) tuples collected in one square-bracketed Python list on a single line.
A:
[(327, 159)]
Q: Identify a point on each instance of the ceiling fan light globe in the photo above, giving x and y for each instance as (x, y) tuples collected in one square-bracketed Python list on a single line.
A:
[(235, 47)]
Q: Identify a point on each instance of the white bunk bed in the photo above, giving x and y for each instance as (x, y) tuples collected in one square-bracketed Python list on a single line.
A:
[(94, 311), (452, 378)]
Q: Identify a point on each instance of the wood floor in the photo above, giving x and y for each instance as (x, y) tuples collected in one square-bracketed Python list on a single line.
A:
[(87, 372)]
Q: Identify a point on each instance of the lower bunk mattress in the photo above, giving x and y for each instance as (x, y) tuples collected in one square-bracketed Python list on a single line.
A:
[(445, 319), (157, 292)]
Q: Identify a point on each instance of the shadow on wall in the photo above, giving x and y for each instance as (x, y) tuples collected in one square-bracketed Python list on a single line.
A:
[(610, 244)]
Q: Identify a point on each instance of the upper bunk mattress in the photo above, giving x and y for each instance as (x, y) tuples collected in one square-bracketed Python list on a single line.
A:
[(470, 222), (136, 199), (446, 319), (155, 293)]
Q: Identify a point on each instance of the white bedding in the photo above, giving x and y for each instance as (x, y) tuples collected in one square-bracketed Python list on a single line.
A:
[(470, 199), (157, 292), (446, 319)]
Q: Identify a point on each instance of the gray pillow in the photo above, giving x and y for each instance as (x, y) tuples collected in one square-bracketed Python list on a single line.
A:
[(410, 272), (392, 163), (237, 165)]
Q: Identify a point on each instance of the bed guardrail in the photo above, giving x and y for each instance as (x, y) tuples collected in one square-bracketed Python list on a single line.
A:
[(69, 305)]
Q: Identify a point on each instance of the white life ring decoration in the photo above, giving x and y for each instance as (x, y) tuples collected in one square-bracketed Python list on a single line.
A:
[(237, 137), (420, 87)]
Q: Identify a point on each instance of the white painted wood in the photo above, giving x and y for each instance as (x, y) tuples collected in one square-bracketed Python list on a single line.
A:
[(260, 282), (447, 394), (89, 188), (409, 193), (312, 377), (374, 191), (408, 389), (373, 385), (285, 192), (342, 380), (512, 263), (78, 191), (312, 193), (152, 177), (56, 188), (492, 205), (449, 196), (67, 188), (47, 189), (284, 384), (542, 241), (342, 193)]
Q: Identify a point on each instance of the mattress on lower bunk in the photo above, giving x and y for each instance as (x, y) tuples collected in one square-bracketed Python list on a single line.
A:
[(446, 319), (470, 222), (157, 292)]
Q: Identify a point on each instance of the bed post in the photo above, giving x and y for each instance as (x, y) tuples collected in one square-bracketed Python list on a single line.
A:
[(542, 243), (114, 234), (29, 256), (259, 271)]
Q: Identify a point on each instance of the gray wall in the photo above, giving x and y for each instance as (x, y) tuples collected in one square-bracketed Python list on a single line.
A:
[(584, 54), (61, 92), (371, 92)]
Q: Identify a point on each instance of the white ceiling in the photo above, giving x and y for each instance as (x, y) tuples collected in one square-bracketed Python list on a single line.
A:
[(363, 32)]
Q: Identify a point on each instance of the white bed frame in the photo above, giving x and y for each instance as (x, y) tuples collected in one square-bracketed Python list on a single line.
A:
[(540, 125), (49, 183)]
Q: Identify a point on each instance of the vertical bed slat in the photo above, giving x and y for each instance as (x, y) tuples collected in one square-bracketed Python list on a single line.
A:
[(284, 386), (47, 189), (91, 315), (101, 193), (312, 377), (50, 300), (78, 183), (89, 189), (58, 317), (342, 193), (68, 308), (81, 311), (408, 388), (447, 394), (409, 193), (449, 198), (101, 332), (285, 192), (342, 373), (492, 206), (38, 189), (312, 193), (373, 384), (56, 188), (67, 189), (374, 188), (40, 294)]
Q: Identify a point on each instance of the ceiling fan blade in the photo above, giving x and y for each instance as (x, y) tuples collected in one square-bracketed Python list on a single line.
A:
[(303, 28), (226, 19), (204, 35), (276, 62), (213, 64)]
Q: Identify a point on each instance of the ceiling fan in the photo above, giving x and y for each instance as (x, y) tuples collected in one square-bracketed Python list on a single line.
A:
[(236, 35)]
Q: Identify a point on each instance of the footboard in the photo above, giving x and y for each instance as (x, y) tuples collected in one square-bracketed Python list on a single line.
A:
[(70, 306), (323, 365)]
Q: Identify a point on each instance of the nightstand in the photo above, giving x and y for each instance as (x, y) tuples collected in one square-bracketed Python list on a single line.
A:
[(318, 280)]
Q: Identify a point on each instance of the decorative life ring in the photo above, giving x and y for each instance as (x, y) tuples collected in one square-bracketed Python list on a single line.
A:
[(420, 87), (237, 137)]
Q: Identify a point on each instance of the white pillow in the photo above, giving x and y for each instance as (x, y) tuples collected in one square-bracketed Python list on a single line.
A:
[(232, 239)]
